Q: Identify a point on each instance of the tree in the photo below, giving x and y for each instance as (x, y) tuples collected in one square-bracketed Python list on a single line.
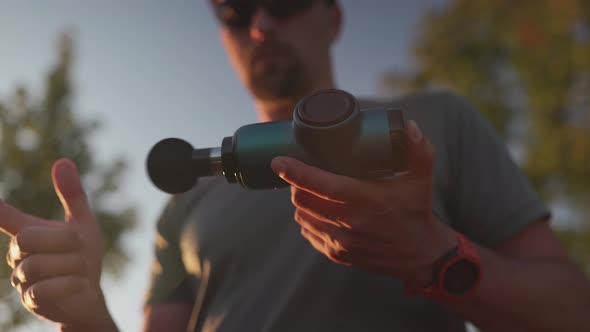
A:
[(526, 66), (33, 135)]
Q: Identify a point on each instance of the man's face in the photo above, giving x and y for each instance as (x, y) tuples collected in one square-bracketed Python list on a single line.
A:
[(281, 52)]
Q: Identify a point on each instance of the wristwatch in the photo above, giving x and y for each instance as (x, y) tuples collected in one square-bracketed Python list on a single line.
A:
[(455, 274)]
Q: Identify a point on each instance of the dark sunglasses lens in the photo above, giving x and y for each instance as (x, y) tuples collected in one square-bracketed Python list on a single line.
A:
[(235, 13), (282, 9), (238, 13)]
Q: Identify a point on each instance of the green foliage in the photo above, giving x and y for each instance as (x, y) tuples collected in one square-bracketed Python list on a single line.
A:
[(526, 66), (33, 135), (579, 244)]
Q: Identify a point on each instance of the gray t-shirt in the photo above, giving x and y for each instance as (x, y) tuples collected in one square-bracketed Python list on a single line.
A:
[(241, 254)]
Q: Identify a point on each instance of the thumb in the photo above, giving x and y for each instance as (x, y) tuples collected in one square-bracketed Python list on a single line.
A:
[(67, 184), (420, 151)]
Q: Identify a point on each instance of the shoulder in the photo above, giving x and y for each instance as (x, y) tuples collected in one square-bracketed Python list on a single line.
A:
[(445, 117), (425, 104)]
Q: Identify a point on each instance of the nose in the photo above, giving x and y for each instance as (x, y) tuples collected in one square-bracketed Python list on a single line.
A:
[(262, 25)]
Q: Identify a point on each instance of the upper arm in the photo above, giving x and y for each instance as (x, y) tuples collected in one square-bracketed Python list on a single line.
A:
[(536, 240), (173, 317), (489, 197)]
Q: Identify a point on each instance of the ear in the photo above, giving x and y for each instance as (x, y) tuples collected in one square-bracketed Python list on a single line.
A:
[(336, 20)]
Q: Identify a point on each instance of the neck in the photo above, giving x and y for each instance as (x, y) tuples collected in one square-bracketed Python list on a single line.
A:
[(276, 110)]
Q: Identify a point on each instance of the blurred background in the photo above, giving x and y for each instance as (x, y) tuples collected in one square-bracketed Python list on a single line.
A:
[(102, 81)]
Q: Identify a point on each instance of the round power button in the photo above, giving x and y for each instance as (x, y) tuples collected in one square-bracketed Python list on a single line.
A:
[(326, 108)]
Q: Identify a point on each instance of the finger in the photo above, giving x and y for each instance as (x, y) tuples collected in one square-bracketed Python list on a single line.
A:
[(421, 154), (12, 220), (46, 266), (329, 186), (330, 233), (57, 239), (334, 238), (332, 251), (314, 225), (52, 237), (14, 255), (324, 210), (316, 241), (67, 184), (48, 292)]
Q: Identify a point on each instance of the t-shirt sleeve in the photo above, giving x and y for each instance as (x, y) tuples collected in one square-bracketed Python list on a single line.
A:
[(169, 280), (491, 199)]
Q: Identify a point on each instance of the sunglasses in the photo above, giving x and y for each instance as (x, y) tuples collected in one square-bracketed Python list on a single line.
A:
[(239, 13)]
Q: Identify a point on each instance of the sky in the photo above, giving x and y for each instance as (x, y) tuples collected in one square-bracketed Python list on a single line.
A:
[(156, 69)]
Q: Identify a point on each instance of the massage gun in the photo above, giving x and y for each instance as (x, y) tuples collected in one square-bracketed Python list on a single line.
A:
[(328, 131)]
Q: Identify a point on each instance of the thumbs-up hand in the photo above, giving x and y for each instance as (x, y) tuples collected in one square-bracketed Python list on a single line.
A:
[(57, 265)]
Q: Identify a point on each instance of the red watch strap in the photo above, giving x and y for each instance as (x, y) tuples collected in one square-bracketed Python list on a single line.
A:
[(465, 249)]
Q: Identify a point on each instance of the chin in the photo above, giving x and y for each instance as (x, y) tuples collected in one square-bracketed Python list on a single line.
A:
[(276, 88)]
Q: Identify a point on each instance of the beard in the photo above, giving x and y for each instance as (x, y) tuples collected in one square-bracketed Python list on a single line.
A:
[(281, 77)]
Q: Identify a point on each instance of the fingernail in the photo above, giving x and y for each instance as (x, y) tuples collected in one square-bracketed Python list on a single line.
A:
[(415, 132), (278, 166)]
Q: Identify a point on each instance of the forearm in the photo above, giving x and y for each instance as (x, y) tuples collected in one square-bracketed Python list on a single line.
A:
[(527, 295)]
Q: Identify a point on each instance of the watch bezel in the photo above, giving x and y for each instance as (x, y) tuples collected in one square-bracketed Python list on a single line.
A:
[(449, 275), (464, 250)]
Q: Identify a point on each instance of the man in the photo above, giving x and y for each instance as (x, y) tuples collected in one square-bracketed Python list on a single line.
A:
[(355, 251)]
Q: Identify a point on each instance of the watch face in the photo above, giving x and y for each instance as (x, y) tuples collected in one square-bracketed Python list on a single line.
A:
[(460, 277)]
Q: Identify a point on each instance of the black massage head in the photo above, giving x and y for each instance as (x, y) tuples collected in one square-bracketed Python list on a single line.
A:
[(170, 166)]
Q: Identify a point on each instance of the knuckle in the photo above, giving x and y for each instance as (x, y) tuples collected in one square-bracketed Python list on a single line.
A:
[(346, 243), (338, 256), (14, 254), (79, 264), (31, 296), (14, 279), (384, 200), (303, 232), (299, 198), (332, 256), (380, 205), (333, 190), (29, 269), (301, 219), (84, 282), (73, 285), (297, 215), (9, 259), (295, 197), (22, 239), (351, 242), (71, 237)]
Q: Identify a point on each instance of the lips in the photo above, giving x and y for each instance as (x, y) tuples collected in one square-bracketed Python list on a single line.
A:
[(266, 59), (267, 55)]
